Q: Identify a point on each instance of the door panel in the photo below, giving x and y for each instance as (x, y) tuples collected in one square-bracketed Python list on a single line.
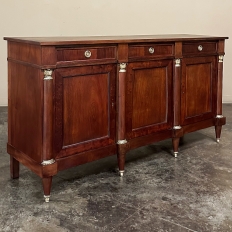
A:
[(85, 99), (198, 87), (148, 97), (89, 117)]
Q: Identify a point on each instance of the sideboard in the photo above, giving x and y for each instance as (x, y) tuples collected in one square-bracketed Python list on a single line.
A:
[(73, 100)]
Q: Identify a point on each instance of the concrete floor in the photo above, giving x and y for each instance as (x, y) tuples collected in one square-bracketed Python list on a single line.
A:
[(158, 192)]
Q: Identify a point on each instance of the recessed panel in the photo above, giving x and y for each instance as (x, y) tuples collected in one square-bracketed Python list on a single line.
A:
[(85, 105), (198, 89), (149, 97)]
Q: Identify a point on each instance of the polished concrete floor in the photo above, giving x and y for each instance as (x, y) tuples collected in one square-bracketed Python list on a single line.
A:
[(158, 192)]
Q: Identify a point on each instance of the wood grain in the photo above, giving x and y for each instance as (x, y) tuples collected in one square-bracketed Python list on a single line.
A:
[(25, 109), (192, 48), (198, 82), (148, 97), (112, 39), (91, 91)]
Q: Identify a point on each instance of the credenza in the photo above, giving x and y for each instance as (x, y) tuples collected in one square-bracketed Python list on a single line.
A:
[(73, 100)]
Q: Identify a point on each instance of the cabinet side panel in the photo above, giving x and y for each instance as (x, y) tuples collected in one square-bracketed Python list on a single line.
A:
[(24, 52), (85, 108), (25, 109)]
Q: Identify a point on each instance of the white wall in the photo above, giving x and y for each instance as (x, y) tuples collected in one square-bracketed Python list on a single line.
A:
[(115, 17)]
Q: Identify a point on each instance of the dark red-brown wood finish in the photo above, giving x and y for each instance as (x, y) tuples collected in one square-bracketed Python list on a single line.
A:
[(90, 90), (73, 100)]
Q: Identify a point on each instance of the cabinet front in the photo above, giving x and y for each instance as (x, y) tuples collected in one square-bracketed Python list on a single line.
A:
[(84, 108), (198, 89), (148, 97)]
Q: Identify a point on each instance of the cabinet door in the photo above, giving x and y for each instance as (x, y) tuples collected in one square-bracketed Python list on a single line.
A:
[(84, 108), (148, 97), (198, 93)]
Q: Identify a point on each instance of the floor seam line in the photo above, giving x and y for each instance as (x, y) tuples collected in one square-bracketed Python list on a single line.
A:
[(125, 220), (178, 225)]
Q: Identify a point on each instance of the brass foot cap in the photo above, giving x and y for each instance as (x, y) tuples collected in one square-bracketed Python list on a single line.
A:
[(46, 198), (121, 173)]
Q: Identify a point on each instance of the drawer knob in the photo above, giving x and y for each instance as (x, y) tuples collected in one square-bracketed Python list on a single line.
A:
[(200, 48), (151, 50), (87, 53)]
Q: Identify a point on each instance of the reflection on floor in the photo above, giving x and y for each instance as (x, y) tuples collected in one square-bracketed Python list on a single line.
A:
[(157, 193)]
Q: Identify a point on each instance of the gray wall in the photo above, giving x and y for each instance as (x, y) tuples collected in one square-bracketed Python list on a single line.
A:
[(121, 17)]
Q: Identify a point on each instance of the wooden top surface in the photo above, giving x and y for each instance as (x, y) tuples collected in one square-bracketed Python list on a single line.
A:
[(110, 39)]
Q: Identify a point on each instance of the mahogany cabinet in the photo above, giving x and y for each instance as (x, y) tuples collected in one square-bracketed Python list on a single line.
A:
[(73, 100)]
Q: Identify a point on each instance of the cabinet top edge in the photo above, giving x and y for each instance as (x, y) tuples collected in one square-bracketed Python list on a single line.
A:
[(111, 39)]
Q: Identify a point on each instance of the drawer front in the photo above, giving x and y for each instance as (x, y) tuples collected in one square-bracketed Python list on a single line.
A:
[(199, 48), (150, 50), (86, 53)]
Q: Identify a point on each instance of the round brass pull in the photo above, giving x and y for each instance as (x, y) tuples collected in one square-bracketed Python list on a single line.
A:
[(200, 48), (151, 50), (87, 53)]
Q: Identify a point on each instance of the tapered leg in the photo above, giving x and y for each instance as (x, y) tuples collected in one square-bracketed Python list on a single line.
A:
[(14, 168), (175, 144), (47, 183), (218, 130)]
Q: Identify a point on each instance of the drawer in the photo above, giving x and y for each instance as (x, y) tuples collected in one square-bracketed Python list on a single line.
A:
[(199, 48), (86, 53), (150, 50)]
